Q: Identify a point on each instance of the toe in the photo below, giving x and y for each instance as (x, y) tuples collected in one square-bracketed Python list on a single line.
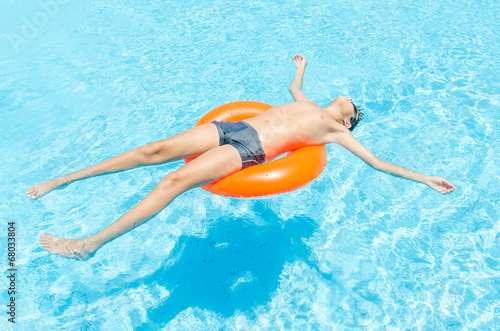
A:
[(44, 237)]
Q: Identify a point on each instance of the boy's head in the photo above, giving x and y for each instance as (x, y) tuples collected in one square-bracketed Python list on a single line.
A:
[(345, 112), (358, 116)]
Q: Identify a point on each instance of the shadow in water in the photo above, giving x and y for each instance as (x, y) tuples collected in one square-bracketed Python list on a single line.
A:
[(235, 267)]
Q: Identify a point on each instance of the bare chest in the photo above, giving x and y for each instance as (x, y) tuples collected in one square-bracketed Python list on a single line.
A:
[(281, 132)]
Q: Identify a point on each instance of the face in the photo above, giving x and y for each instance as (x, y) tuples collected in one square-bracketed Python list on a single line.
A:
[(344, 109)]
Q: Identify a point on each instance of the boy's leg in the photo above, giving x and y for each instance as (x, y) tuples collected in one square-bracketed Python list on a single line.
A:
[(212, 165), (191, 142)]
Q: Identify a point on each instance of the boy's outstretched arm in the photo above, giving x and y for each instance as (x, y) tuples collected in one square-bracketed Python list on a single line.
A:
[(296, 85), (347, 140)]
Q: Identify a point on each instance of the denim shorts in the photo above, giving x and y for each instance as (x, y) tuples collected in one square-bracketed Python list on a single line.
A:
[(244, 138)]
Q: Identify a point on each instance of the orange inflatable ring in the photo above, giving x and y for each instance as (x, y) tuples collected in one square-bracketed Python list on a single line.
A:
[(282, 175)]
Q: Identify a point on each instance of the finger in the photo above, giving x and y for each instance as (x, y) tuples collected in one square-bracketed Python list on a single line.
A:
[(449, 190), (448, 184)]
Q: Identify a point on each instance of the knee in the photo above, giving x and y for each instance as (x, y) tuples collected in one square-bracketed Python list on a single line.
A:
[(173, 179), (149, 150)]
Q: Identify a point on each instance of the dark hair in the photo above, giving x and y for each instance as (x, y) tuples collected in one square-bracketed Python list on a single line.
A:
[(359, 117)]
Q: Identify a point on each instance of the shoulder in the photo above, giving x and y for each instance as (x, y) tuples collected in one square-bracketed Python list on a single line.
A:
[(298, 106), (306, 103), (339, 134)]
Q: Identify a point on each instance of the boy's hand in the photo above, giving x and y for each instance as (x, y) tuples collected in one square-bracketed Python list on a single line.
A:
[(299, 61), (440, 184)]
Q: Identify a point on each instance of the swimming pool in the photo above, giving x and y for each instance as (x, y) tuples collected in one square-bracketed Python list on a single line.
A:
[(355, 249)]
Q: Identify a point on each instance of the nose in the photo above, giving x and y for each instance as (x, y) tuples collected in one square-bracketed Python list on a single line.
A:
[(349, 99)]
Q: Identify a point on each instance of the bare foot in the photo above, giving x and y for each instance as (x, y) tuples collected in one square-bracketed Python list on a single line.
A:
[(79, 249), (37, 190)]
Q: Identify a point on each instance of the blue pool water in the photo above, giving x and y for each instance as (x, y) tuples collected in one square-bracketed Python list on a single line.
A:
[(81, 81)]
